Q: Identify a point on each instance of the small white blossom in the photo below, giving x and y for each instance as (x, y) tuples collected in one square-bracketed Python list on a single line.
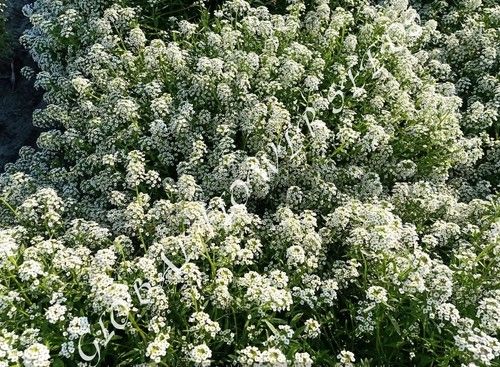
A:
[(346, 358), (55, 313), (77, 327), (158, 347), (200, 355)]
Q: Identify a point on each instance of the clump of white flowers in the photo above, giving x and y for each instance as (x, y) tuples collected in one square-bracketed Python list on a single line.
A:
[(465, 40), (36, 355), (309, 184)]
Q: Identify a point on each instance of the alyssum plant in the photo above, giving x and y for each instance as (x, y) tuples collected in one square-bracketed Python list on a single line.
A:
[(249, 188), (465, 48)]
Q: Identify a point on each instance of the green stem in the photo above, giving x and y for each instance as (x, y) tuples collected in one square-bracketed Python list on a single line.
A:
[(4, 202), (141, 238), (137, 327)]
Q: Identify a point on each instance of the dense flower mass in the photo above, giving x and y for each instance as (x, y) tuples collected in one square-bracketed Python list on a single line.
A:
[(308, 183)]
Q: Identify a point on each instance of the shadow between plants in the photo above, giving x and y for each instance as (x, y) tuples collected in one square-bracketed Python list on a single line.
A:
[(18, 98)]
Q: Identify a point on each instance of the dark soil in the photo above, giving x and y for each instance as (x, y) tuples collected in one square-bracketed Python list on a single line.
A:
[(18, 101)]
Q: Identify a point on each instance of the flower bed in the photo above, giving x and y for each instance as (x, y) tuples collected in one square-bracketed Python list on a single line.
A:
[(290, 186)]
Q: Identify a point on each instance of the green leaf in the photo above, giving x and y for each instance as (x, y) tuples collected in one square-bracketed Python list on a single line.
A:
[(271, 327), (296, 318), (394, 324)]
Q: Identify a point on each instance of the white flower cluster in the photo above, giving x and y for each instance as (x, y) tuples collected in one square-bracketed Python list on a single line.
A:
[(256, 186), (36, 355), (465, 40)]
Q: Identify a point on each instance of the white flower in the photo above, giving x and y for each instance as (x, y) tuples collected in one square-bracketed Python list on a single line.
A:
[(80, 84), (302, 360), (489, 313), (158, 347), (36, 355), (482, 347), (377, 294), (8, 247), (127, 109), (67, 349), (8, 351), (77, 327), (268, 163), (274, 357), (104, 259), (203, 323), (136, 38), (295, 255), (30, 270), (448, 312), (200, 355), (55, 313), (249, 356), (136, 170), (346, 358), (312, 328)]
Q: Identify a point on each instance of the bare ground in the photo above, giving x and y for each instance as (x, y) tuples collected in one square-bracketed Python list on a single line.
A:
[(17, 102)]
